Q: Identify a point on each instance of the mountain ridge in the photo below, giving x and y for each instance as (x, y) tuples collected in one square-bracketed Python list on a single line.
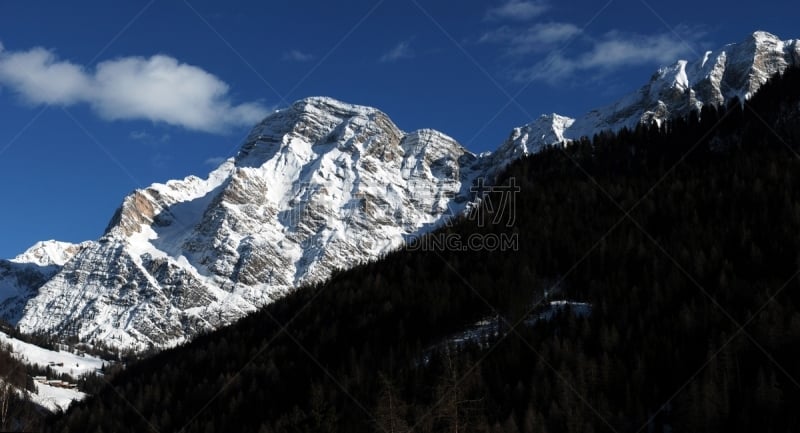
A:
[(374, 348), (734, 71), (318, 186)]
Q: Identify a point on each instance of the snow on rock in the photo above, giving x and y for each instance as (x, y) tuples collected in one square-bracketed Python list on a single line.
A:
[(529, 139), (317, 186), (49, 253), (734, 71), (22, 276)]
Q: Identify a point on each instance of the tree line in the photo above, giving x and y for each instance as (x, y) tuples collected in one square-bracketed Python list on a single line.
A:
[(682, 236)]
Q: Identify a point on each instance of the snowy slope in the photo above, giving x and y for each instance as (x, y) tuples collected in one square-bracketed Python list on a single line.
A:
[(317, 186), (53, 398), (72, 364), (491, 328)]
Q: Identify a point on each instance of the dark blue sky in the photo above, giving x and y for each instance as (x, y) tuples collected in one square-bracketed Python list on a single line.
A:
[(98, 98)]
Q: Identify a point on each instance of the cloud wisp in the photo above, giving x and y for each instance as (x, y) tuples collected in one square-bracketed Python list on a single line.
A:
[(146, 137), (400, 51), (519, 10), (298, 56), (158, 88), (536, 49), (612, 51), (536, 38)]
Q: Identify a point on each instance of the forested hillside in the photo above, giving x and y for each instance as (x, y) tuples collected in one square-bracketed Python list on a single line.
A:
[(685, 239)]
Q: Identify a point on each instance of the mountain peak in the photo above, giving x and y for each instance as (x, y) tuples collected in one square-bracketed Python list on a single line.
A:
[(317, 186), (323, 122), (734, 71), (49, 253), (312, 104), (761, 36)]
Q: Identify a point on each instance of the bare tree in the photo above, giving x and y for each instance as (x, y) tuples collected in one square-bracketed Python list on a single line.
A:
[(455, 410), (6, 394), (390, 415)]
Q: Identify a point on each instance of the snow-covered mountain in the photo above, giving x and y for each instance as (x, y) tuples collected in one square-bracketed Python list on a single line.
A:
[(22, 276), (317, 186), (734, 71)]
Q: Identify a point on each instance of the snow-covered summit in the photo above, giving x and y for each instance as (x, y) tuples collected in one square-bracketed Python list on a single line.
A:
[(317, 186), (529, 139), (48, 253), (734, 71)]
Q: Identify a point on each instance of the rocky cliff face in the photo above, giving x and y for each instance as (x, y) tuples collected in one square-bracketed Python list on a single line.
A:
[(22, 276), (318, 186)]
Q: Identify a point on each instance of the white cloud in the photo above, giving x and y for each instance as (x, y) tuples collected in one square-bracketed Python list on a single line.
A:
[(518, 10), (298, 56), (613, 51), (617, 50), (158, 88), (40, 79), (535, 38), (400, 51)]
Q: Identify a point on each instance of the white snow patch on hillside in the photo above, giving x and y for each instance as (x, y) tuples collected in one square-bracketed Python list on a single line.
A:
[(579, 309), (55, 399), (491, 327), (71, 364)]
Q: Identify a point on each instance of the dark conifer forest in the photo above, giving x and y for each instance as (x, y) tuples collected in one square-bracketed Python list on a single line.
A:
[(683, 237)]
